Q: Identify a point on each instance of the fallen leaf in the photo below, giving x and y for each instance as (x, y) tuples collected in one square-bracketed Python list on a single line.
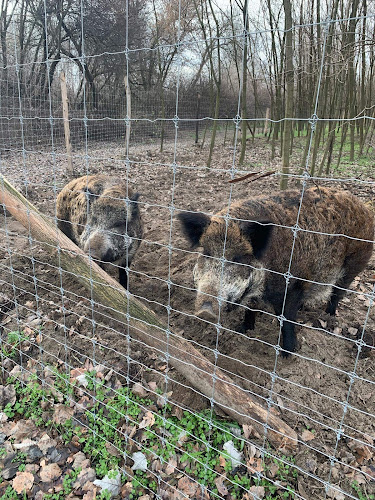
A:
[(23, 482), (112, 450), (172, 464), (85, 475), (177, 412), (257, 491), (187, 486), (7, 395), (255, 465), (148, 420), (153, 386), (307, 435), (362, 451), (110, 484), (139, 390), (335, 494), (78, 460), (163, 399), (62, 413), (222, 461), (90, 495), (45, 442), (140, 461), (49, 473), (234, 455), (22, 429), (221, 488)]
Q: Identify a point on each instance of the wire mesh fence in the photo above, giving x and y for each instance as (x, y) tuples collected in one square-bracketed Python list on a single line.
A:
[(149, 308)]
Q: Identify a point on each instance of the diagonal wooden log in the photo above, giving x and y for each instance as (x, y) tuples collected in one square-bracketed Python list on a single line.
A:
[(145, 325)]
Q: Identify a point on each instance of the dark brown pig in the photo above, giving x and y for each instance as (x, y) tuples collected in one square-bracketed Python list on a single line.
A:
[(100, 214), (258, 247)]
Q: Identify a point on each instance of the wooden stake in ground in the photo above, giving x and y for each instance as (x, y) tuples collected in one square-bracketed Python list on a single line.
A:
[(145, 325), (128, 113), (265, 130), (64, 98)]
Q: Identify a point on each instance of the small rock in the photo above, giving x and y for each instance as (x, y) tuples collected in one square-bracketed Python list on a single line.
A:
[(352, 331), (2, 438)]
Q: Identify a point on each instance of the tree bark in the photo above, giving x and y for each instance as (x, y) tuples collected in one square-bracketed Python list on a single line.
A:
[(289, 77)]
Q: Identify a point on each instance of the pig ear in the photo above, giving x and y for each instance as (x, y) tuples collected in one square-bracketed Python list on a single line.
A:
[(258, 233), (193, 225), (90, 195)]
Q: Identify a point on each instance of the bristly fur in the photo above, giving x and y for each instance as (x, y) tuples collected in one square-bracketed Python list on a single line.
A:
[(100, 214), (258, 251)]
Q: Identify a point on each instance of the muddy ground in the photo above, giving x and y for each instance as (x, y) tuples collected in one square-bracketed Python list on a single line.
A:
[(313, 389)]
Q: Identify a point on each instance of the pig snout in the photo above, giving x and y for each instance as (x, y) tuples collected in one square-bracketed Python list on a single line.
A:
[(207, 308), (97, 246)]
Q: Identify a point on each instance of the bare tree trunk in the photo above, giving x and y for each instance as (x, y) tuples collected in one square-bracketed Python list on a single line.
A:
[(244, 83), (289, 77)]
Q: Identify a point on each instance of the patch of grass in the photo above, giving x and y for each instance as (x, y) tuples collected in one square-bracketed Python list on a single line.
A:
[(10, 348), (197, 439), (68, 482), (9, 494), (360, 493)]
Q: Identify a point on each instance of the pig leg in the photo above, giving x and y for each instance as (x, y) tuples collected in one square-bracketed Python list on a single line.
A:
[(353, 265), (293, 303), (248, 322), (123, 277)]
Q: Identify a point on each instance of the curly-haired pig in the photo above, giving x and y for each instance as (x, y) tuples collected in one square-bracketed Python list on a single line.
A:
[(100, 214), (258, 248)]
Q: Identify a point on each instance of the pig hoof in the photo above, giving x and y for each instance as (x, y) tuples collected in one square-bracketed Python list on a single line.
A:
[(242, 328), (285, 354)]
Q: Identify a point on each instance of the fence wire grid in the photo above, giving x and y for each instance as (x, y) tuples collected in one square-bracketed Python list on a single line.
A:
[(173, 100)]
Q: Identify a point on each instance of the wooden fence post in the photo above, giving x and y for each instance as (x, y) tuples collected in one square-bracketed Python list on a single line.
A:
[(128, 113), (64, 98)]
